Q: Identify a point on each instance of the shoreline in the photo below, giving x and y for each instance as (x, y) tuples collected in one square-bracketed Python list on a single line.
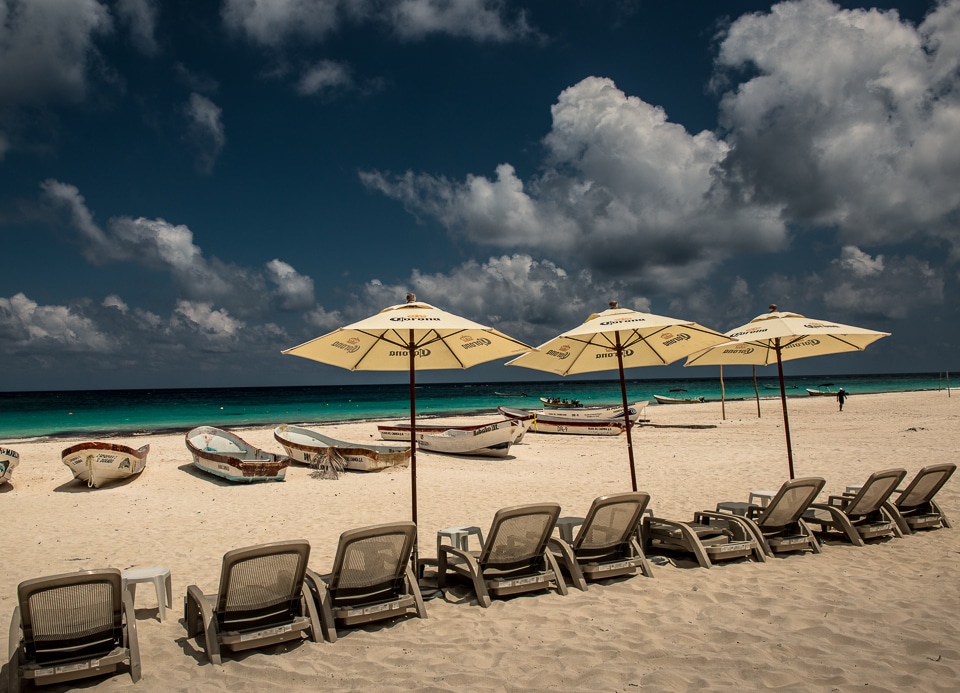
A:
[(112, 433)]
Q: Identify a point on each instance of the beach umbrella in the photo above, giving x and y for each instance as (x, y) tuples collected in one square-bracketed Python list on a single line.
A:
[(411, 336), (620, 338), (778, 337)]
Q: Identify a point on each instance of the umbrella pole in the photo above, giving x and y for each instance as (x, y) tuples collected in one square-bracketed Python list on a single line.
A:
[(783, 401), (723, 397), (413, 449), (626, 414), (756, 390)]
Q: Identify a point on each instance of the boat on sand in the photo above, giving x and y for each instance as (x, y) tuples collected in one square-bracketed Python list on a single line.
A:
[(99, 463), (487, 439), (311, 447), (548, 423), (678, 400), (558, 403), (8, 460), (613, 412), (223, 454)]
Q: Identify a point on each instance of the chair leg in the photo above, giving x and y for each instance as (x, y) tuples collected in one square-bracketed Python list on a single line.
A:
[(133, 644), (645, 568), (566, 558), (414, 588), (552, 564), (308, 596), (210, 634), (14, 650)]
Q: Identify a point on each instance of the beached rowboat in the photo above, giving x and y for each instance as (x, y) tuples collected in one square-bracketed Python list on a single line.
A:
[(401, 431), (98, 463), (488, 440), (310, 447), (678, 400), (223, 454), (548, 423), (615, 412), (821, 393), (8, 460)]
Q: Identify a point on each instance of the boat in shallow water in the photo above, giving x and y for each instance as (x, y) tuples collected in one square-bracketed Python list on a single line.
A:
[(99, 463), (223, 454), (311, 447), (558, 403), (8, 460)]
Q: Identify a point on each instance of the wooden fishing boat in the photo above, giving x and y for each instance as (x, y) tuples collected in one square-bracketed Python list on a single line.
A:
[(821, 393), (99, 463), (401, 431), (678, 400), (487, 439), (548, 423), (508, 394), (558, 403), (310, 447), (8, 460), (223, 454), (614, 412)]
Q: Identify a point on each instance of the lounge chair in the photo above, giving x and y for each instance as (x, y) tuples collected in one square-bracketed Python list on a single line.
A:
[(710, 537), (514, 558), (606, 544), (372, 578), (72, 626), (262, 600), (915, 507), (862, 515), (779, 526)]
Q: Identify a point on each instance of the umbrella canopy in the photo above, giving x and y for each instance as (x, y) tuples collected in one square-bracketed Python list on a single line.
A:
[(775, 337), (409, 337), (620, 338)]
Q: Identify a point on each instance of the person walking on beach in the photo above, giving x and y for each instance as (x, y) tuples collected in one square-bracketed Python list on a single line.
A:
[(841, 397)]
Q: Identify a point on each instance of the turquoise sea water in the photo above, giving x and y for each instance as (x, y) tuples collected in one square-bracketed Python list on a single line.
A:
[(106, 412)]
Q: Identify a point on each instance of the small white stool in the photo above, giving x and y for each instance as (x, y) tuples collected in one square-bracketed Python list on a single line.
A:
[(566, 525), (160, 577), (763, 496), (733, 507), (458, 537), (852, 490)]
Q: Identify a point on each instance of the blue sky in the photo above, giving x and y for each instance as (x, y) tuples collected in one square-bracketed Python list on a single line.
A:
[(188, 188)]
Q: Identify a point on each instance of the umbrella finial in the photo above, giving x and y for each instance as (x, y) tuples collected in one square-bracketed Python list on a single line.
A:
[(411, 298), (773, 308), (613, 304)]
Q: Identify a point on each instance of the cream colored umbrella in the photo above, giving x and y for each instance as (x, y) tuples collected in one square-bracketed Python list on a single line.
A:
[(778, 337), (411, 336), (620, 338)]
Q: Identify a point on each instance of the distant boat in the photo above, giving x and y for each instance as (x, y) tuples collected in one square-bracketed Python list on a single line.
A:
[(508, 394), (557, 403), (304, 445), (223, 454), (678, 400), (777, 387), (98, 463), (8, 460), (551, 423), (488, 439)]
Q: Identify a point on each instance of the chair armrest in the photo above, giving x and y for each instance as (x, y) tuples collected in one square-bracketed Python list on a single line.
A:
[(13, 644)]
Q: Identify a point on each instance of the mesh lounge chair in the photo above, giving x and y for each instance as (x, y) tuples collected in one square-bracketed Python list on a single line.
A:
[(710, 537), (72, 626), (779, 527), (606, 545), (262, 600), (862, 515), (915, 507), (372, 578), (513, 560)]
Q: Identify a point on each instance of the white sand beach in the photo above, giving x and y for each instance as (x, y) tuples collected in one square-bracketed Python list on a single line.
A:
[(885, 617)]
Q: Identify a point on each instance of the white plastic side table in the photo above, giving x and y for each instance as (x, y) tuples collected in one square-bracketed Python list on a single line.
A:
[(458, 537), (763, 496), (159, 576)]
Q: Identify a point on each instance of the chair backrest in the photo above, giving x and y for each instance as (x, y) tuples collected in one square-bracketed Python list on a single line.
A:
[(875, 492), (519, 535), (372, 556), (925, 485), (72, 609), (261, 578), (611, 521), (791, 501)]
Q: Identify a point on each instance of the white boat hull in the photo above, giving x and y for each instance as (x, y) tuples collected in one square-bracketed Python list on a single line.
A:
[(304, 445), (821, 393), (9, 459), (401, 431), (223, 454), (548, 423), (677, 400), (492, 441), (634, 411), (100, 463)]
